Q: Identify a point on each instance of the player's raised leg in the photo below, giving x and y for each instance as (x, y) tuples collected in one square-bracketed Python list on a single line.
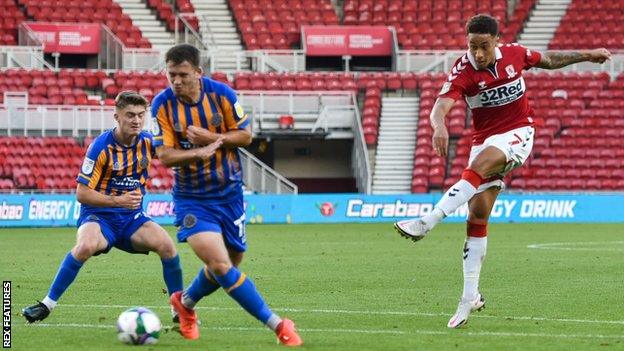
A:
[(488, 162), (89, 241), (474, 252)]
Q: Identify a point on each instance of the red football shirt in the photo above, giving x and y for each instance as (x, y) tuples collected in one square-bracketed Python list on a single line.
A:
[(496, 95)]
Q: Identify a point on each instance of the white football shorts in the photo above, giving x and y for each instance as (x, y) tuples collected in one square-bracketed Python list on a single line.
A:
[(516, 144)]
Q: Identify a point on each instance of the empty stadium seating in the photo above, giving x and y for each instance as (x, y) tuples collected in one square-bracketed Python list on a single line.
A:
[(166, 13), (105, 12), (427, 24), (276, 24), (592, 23), (25, 164), (67, 87), (12, 16)]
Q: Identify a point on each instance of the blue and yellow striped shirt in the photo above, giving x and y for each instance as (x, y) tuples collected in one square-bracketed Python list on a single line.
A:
[(114, 169), (217, 110)]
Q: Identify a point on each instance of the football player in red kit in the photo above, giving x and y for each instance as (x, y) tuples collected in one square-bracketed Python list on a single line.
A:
[(489, 77)]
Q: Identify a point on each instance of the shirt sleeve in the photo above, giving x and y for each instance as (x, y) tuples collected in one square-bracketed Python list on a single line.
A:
[(92, 165), (531, 57), (455, 85), (162, 130), (235, 116)]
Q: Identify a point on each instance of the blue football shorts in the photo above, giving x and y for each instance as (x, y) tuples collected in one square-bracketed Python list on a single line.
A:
[(117, 228), (200, 215)]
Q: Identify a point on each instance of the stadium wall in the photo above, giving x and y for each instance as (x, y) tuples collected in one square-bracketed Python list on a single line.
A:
[(44, 210)]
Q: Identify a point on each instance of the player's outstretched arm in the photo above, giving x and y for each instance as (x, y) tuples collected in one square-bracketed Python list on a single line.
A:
[(440, 135), (231, 139), (558, 59), (175, 157), (88, 196)]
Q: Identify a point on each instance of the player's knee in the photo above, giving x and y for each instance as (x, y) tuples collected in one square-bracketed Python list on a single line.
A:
[(219, 267), (83, 251), (166, 249)]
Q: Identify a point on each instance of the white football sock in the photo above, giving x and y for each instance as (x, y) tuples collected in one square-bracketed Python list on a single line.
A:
[(457, 195), (50, 304), (474, 253), (273, 322), (187, 301)]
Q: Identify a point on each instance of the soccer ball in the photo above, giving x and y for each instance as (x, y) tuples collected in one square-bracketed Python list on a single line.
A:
[(138, 326)]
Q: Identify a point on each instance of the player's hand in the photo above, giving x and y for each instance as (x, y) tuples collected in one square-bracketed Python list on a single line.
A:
[(200, 136), (440, 141), (131, 199), (599, 55), (205, 152)]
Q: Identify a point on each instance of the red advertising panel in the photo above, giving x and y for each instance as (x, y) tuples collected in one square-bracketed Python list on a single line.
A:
[(68, 38), (347, 40)]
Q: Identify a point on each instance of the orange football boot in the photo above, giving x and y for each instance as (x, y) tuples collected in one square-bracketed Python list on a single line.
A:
[(287, 334), (188, 318)]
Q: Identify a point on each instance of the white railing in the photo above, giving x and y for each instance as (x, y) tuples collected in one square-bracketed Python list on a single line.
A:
[(135, 59), (52, 120), (111, 53), (29, 57), (260, 178), (258, 60), (188, 35), (265, 108), (442, 61)]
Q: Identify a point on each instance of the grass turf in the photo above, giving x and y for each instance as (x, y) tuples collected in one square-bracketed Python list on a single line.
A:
[(348, 287)]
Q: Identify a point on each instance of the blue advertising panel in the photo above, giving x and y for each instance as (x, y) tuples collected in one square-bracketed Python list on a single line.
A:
[(44, 210)]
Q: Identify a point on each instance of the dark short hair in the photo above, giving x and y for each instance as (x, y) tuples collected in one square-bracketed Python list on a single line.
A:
[(128, 97), (482, 24), (183, 52)]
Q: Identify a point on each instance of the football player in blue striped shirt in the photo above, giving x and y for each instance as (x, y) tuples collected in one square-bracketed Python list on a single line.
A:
[(196, 111), (111, 184)]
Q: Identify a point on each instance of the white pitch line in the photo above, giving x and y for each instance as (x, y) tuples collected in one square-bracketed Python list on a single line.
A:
[(570, 246), (363, 331), (364, 312)]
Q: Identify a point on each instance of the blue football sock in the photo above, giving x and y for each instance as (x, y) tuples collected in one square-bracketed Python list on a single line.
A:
[(243, 290), (172, 273), (200, 287), (64, 277)]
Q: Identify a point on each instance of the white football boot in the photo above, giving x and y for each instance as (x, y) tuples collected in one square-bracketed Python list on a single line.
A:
[(414, 229), (460, 317)]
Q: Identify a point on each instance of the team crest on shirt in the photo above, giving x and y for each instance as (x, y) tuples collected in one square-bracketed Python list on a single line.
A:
[(155, 127), (177, 127), (144, 162), (87, 165), (116, 166), (190, 220), (511, 71), (482, 85), (216, 120)]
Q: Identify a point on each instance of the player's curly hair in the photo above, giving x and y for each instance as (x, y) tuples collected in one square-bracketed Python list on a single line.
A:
[(482, 24), (183, 52), (128, 97)]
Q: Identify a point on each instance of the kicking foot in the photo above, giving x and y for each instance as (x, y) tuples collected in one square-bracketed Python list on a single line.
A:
[(460, 318), (36, 312), (414, 229), (188, 318), (287, 333)]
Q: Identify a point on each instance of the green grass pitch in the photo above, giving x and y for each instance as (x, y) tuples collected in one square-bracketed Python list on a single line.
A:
[(347, 287)]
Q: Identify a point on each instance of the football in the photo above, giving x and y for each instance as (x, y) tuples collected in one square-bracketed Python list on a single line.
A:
[(138, 326)]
